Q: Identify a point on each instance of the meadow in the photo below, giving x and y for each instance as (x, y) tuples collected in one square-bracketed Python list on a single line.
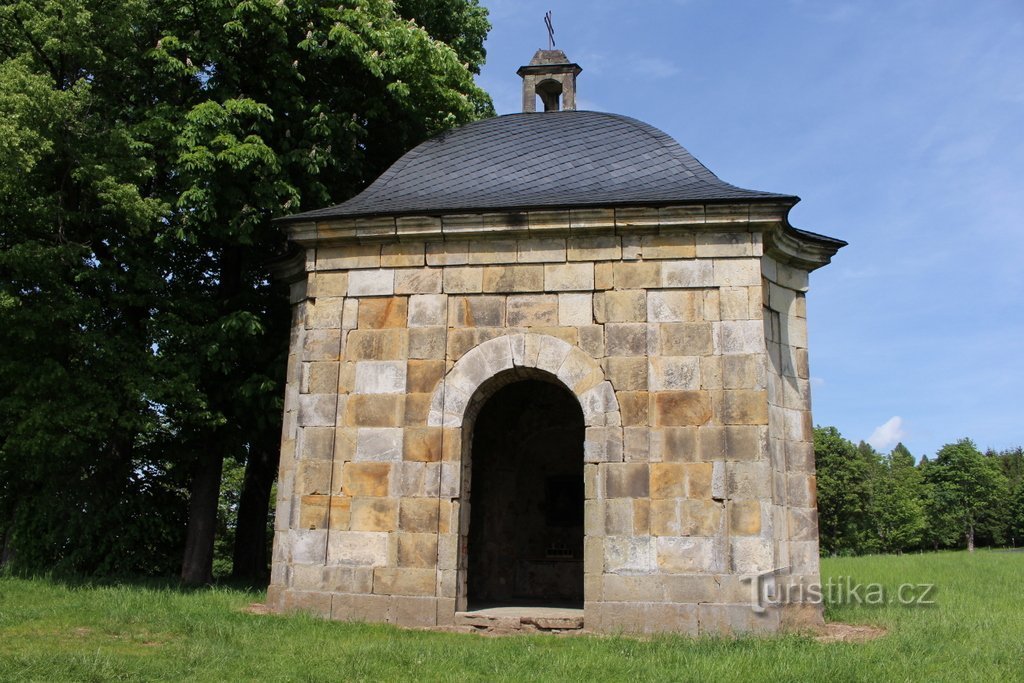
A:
[(58, 630)]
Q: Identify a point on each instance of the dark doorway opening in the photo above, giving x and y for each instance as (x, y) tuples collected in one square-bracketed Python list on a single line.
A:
[(525, 541)]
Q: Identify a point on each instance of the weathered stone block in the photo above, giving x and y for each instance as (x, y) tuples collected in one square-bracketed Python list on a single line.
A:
[(509, 279), (322, 285), (687, 274), (384, 312), (317, 443), (427, 342), (745, 272), (636, 444), (627, 373), (454, 253), (675, 444), (417, 550), (467, 280), (529, 310), (624, 306), (403, 581), (320, 378), (324, 313), (492, 251), (745, 517), (542, 251), (476, 311), (667, 480), (422, 376), (626, 339), (366, 478), (674, 373), (382, 444), (374, 410), (575, 309), (402, 254), (639, 275), (418, 281), (633, 407), (321, 345), (377, 344), (374, 514), (741, 406), (678, 246), (371, 282), (348, 257), (681, 408), (568, 277), (675, 305), (686, 339), (427, 310), (603, 444), (711, 244), (628, 555), (317, 410), (626, 480), (422, 444), (381, 377), (604, 248), (418, 515)]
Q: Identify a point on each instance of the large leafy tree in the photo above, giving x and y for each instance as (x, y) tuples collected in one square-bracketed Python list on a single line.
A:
[(146, 146), (898, 502), (844, 474), (968, 494)]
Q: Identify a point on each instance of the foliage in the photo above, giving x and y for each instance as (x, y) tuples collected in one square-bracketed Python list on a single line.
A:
[(52, 631), (897, 506), (970, 491), (145, 147), (843, 491), (871, 503)]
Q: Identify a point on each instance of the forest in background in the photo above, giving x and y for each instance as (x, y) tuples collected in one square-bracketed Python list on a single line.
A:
[(960, 497)]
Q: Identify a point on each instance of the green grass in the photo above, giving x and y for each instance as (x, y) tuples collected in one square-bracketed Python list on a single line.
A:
[(59, 631)]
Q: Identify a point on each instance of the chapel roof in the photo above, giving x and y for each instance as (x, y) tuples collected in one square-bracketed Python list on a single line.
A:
[(526, 161)]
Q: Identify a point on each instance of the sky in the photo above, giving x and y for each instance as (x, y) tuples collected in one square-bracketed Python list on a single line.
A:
[(900, 124)]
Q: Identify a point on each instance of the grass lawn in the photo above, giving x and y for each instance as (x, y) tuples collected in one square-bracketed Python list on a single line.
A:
[(56, 631)]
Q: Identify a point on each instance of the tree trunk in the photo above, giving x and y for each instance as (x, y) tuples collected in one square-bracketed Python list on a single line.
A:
[(197, 567), (249, 562), (970, 538)]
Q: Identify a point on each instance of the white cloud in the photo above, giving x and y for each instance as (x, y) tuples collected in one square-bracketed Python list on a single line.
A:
[(888, 435)]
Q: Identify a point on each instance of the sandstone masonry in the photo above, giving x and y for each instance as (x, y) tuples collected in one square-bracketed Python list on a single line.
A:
[(680, 330)]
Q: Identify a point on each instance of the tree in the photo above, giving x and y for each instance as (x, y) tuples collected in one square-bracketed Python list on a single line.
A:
[(844, 493), (898, 508), (968, 491), (146, 148)]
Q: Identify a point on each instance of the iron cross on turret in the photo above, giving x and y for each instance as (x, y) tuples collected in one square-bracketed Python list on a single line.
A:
[(551, 30)]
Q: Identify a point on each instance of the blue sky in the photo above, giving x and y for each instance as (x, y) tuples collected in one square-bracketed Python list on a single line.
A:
[(901, 125)]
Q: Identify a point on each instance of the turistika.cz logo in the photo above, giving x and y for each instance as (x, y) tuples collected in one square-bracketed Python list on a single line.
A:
[(776, 588)]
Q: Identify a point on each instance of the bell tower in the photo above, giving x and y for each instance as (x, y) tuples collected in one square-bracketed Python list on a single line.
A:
[(552, 76)]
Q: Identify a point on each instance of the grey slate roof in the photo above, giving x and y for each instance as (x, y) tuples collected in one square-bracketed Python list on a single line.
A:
[(554, 159)]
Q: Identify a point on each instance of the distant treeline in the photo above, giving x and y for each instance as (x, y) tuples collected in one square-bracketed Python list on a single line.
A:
[(869, 502)]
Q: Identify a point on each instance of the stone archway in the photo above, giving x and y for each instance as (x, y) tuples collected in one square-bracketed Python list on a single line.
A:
[(484, 371), (526, 496)]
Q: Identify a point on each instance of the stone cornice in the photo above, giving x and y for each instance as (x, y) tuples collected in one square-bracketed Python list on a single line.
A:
[(782, 241)]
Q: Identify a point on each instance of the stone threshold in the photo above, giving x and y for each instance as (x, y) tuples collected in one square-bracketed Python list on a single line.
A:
[(522, 618)]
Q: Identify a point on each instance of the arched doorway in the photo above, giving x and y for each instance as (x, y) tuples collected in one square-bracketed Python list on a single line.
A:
[(525, 540)]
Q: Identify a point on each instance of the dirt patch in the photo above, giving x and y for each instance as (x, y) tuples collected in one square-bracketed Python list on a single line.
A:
[(848, 633), (257, 608)]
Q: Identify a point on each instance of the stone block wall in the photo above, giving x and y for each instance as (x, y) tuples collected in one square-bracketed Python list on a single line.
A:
[(686, 347)]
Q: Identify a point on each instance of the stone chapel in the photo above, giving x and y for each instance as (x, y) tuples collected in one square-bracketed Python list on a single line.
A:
[(548, 370)]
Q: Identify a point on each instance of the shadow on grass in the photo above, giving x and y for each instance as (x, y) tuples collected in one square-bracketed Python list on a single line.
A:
[(164, 583)]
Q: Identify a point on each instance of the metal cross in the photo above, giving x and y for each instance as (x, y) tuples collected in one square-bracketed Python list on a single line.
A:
[(551, 30)]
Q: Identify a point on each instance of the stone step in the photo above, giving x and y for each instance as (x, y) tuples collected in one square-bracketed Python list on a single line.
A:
[(509, 620)]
